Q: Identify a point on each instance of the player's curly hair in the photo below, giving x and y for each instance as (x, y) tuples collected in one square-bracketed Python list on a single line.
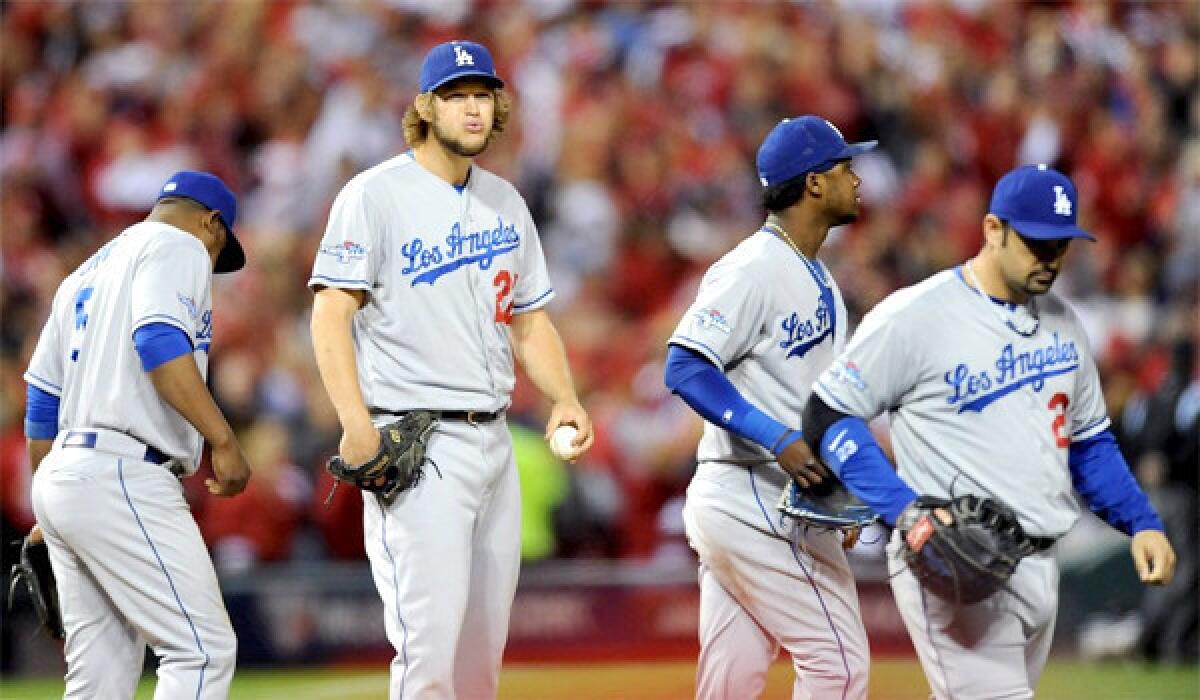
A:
[(416, 129)]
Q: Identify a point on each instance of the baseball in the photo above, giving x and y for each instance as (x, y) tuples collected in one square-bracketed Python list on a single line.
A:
[(560, 441)]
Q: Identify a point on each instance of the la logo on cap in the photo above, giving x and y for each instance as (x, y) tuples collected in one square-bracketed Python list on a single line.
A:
[(169, 187), (462, 57), (1062, 203)]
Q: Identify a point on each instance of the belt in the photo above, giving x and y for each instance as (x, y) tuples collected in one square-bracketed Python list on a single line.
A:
[(1041, 544), (472, 417), (115, 442)]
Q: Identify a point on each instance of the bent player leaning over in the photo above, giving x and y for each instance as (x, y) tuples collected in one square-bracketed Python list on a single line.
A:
[(117, 414)]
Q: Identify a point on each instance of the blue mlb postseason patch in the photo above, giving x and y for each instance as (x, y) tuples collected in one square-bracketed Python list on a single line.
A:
[(714, 319), (345, 251), (847, 373)]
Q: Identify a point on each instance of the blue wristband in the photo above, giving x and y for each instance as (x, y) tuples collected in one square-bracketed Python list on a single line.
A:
[(709, 392), (850, 450), (1102, 477)]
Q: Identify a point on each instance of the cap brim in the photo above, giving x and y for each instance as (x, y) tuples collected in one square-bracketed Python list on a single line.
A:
[(1048, 232), (468, 73), (232, 257), (856, 149)]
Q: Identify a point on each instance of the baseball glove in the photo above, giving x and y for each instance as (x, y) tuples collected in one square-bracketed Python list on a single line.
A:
[(967, 555), (828, 504), (400, 462), (34, 571)]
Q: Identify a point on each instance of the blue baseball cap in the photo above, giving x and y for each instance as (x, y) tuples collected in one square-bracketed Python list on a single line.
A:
[(801, 145), (1039, 202), (208, 191), (457, 59)]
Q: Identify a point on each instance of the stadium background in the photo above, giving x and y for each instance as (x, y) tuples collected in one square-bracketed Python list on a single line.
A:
[(633, 143)]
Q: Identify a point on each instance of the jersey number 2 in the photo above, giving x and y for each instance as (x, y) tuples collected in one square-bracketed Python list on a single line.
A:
[(504, 282), (82, 297), (1058, 404)]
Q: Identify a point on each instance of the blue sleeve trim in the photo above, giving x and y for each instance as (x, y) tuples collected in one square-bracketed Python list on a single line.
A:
[(159, 343), (158, 318), (693, 344), (30, 375), (527, 306), (41, 413), (851, 451), (1102, 477), (339, 282), (1090, 427), (710, 393)]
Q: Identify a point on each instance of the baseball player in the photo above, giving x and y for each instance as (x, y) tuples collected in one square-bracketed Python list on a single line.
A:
[(992, 391), (429, 279), (116, 415), (767, 319)]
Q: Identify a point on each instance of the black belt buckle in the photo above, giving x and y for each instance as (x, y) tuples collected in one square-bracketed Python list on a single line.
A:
[(471, 417)]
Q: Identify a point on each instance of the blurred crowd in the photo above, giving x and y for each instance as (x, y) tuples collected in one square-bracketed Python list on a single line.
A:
[(635, 131)]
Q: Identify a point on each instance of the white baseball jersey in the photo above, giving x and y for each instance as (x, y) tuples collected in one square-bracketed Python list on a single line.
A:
[(771, 326), (151, 273), (772, 321), (445, 271), (975, 406)]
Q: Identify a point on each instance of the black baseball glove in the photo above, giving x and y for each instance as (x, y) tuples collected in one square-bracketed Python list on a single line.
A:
[(34, 570), (968, 558), (400, 462), (828, 504)]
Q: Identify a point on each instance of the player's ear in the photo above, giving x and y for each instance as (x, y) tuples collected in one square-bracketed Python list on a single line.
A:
[(211, 223), (812, 183), (993, 231)]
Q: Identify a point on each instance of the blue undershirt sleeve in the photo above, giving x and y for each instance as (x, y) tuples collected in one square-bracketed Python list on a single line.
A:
[(1102, 477), (850, 450), (709, 392), (41, 414), (158, 343)]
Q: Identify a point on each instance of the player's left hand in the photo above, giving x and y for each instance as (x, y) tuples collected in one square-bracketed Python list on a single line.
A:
[(571, 413), (1153, 556)]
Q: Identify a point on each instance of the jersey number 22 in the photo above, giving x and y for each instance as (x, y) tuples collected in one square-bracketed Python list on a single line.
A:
[(505, 282)]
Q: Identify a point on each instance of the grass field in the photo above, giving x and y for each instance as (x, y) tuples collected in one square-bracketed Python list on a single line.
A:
[(890, 680)]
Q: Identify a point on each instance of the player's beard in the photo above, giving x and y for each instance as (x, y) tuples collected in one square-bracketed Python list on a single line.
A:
[(456, 145), (1036, 287)]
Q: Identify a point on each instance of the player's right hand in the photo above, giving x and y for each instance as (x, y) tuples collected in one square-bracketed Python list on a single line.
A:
[(798, 461), (231, 469)]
